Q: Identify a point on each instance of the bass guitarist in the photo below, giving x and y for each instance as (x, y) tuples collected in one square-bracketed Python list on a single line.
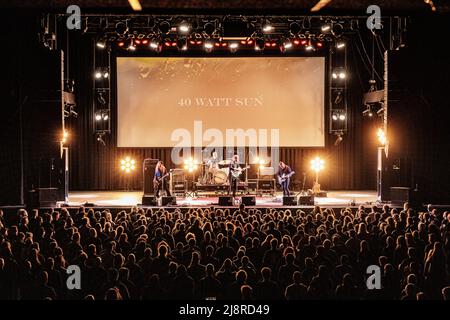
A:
[(160, 179), (284, 175)]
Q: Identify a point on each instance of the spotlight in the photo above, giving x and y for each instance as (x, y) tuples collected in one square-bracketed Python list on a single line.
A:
[(339, 73), (340, 44), (190, 164), (132, 46), (209, 28), (334, 116), (233, 47), (342, 116), (381, 136), (184, 27), (337, 30), (267, 26), (127, 165), (106, 74), (182, 44), (294, 28), (101, 44), (287, 44), (317, 165), (98, 75), (98, 116), (209, 45), (338, 139), (65, 136), (310, 46), (164, 27), (259, 44), (368, 112), (326, 27), (100, 138), (121, 28)]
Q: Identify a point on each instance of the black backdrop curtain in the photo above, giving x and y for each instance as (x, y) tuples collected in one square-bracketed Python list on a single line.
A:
[(350, 165)]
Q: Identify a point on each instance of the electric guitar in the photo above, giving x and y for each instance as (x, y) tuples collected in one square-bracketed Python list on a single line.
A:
[(157, 181), (285, 176), (235, 173)]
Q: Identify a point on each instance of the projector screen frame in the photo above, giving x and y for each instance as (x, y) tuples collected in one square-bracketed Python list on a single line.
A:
[(219, 54)]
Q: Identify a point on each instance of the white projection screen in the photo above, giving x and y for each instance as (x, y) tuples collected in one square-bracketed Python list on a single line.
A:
[(159, 97)]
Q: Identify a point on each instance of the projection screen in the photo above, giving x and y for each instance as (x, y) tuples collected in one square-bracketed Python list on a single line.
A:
[(162, 98)]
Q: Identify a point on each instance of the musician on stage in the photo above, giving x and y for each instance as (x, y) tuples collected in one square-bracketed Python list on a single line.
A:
[(284, 177), (213, 166), (233, 175), (160, 179)]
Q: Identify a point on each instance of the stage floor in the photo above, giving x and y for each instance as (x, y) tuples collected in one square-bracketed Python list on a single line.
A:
[(335, 199)]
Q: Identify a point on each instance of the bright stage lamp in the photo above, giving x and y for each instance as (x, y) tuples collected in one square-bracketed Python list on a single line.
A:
[(127, 165), (317, 164), (381, 136), (65, 136), (190, 164)]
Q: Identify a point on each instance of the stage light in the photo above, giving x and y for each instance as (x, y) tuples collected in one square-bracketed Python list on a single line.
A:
[(145, 41), (287, 44), (309, 46), (339, 73), (259, 44), (190, 164), (381, 136), (334, 116), (317, 165), (233, 47), (121, 28), (368, 111), (209, 45), (132, 46), (98, 116), (101, 44), (98, 75), (294, 28), (338, 139), (267, 26), (340, 44), (65, 136), (342, 116), (135, 5), (100, 138), (105, 74), (120, 44), (182, 44), (184, 27), (127, 165), (164, 27), (326, 28), (209, 28)]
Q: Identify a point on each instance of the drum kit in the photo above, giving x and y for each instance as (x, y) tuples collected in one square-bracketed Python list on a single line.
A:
[(215, 172)]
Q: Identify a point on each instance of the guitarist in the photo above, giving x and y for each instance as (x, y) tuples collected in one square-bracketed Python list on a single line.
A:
[(234, 178), (284, 177), (160, 179)]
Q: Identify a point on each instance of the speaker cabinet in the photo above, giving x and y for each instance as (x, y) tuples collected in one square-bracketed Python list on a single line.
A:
[(43, 198), (225, 201), (289, 201), (400, 195), (168, 201), (149, 201), (248, 200), (306, 200), (149, 172)]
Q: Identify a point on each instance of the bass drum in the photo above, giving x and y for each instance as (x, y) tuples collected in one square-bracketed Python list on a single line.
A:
[(220, 177)]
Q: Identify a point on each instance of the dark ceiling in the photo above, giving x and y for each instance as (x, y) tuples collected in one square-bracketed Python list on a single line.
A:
[(341, 6)]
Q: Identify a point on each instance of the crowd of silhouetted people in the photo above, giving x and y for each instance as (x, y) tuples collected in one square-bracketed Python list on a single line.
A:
[(216, 253)]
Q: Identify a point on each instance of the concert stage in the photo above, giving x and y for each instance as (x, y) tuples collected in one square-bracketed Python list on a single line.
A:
[(335, 199)]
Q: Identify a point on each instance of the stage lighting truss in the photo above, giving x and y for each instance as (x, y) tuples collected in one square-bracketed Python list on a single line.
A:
[(135, 32)]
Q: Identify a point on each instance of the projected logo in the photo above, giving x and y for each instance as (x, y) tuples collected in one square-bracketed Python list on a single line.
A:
[(262, 142)]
